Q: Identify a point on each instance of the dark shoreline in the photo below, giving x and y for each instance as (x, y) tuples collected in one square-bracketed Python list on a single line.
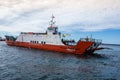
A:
[(111, 44)]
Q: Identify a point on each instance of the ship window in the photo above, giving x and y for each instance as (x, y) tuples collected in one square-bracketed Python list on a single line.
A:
[(37, 42), (44, 42), (41, 42), (31, 41)]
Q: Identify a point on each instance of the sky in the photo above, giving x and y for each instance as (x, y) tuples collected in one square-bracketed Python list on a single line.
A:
[(80, 18)]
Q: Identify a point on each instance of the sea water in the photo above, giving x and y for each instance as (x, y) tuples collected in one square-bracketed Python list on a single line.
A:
[(18, 63)]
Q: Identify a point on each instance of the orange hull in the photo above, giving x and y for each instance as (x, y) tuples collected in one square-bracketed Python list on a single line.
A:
[(80, 48)]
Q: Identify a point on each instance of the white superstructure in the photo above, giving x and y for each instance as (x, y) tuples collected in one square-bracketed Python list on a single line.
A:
[(52, 36)]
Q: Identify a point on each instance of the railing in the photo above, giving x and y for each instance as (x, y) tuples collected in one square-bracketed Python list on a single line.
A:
[(91, 40)]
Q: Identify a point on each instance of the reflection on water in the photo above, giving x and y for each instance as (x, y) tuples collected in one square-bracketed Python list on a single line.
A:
[(29, 64)]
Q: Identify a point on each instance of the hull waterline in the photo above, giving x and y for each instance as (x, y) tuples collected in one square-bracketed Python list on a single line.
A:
[(79, 49)]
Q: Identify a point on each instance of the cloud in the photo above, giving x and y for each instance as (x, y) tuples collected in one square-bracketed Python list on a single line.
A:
[(82, 15)]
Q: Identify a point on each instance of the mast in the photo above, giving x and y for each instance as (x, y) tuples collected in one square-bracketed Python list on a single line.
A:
[(52, 28), (52, 22)]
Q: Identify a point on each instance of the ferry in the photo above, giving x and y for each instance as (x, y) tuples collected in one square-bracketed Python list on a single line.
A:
[(52, 40)]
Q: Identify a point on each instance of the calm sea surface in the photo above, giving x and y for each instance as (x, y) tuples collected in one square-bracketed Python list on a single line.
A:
[(29, 64)]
